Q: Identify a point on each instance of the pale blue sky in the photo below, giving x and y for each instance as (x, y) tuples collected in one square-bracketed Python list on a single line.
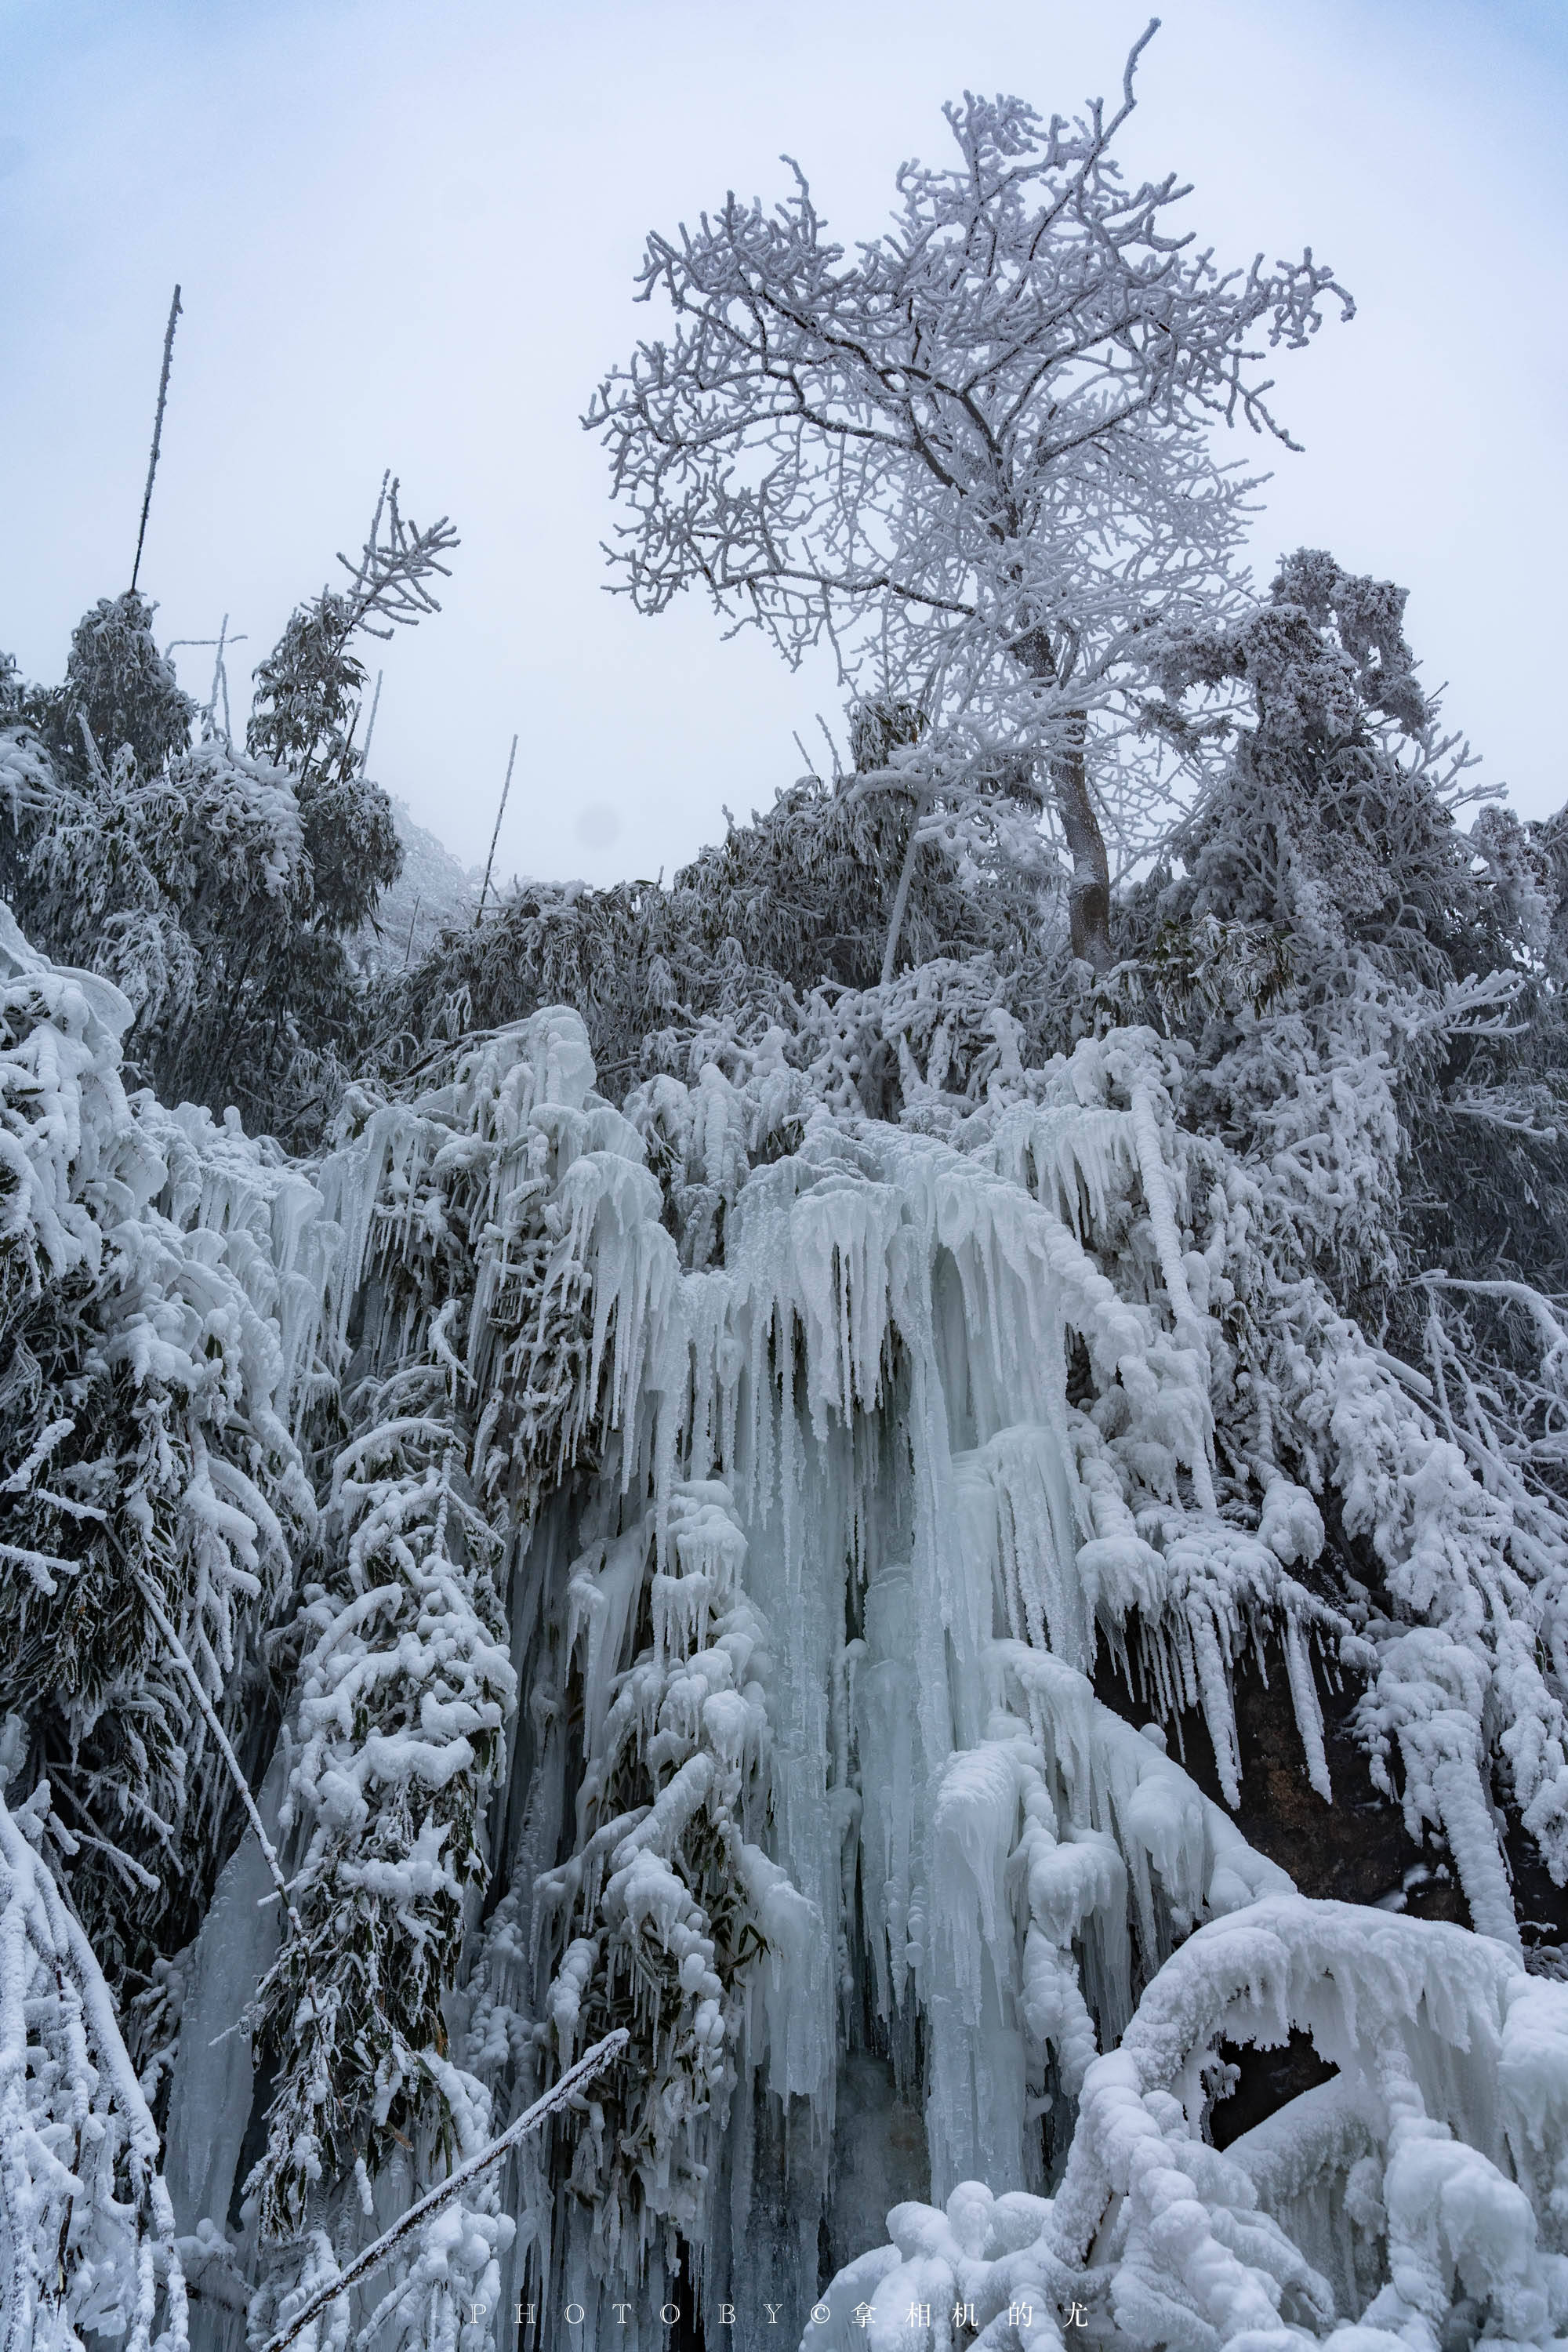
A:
[(405, 235)]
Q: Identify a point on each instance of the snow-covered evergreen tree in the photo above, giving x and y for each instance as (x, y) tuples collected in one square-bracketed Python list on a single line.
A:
[(219, 889)]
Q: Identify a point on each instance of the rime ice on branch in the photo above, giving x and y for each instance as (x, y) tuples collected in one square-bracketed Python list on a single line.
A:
[(973, 454)]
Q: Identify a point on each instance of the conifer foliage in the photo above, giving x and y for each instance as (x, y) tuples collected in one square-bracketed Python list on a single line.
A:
[(219, 889)]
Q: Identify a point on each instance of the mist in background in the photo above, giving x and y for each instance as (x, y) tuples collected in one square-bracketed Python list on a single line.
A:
[(406, 237)]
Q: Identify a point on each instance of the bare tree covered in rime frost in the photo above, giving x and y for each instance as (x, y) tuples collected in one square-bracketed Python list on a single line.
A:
[(974, 454)]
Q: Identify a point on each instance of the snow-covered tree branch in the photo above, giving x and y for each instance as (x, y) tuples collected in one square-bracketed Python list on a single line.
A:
[(974, 453)]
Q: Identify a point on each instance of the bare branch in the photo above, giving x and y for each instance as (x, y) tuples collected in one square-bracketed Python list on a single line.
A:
[(395, 567), (181, 1658), (374, 2256)]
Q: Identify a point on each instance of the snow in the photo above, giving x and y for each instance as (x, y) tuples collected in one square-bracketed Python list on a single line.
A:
[(1426, 2139), (860, 1661), (801, 1471), (82, 2194)]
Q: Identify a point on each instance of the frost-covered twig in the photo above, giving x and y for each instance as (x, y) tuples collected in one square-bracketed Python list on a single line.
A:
[(592, 2063), (181, 1658), (391, 573), (1543, 1312)]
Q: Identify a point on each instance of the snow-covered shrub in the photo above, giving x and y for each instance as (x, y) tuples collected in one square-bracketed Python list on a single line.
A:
[(157, 1283), (668, 1902), (403, 1686), (219, 889), (1331, 839), (1413, 2198), (797, 899), (119, 692), (86, 2239), (198, 888), (470, 1355), (151, 1274)]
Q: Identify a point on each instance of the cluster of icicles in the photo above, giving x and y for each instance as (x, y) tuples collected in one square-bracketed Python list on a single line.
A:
[(827, 1609), (867, 1457)]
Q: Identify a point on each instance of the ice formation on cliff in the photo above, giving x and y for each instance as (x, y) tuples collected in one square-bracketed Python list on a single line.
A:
[(730, 1500)]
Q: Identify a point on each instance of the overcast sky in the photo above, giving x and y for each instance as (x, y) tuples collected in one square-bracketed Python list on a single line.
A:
[(406, 237)]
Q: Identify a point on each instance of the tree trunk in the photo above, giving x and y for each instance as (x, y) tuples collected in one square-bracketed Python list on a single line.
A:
[(901, 898), (1088, 888), (1089, 885)]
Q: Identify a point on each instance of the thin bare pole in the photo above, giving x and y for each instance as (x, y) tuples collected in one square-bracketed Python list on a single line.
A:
[(180, 1657), (157, 433), (370, 730), (496, 834), (901, 895), (220, 684), (217, 673)]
